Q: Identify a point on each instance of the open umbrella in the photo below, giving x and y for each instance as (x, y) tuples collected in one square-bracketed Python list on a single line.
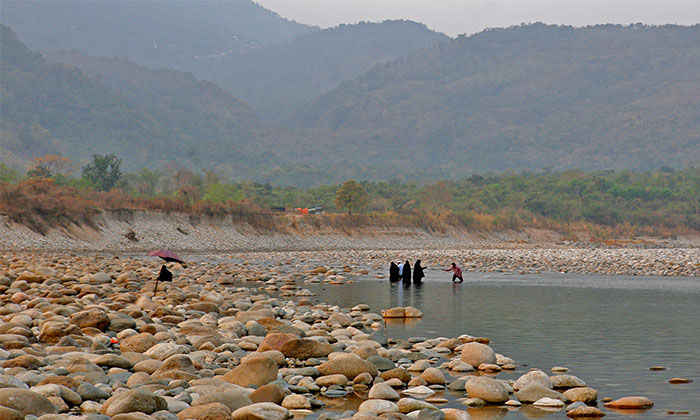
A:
[(168, 256)]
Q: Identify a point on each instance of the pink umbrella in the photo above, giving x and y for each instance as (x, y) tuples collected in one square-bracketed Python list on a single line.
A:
[(168, 256)]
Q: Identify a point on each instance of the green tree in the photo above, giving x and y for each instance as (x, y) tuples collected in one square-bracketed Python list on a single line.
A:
[(149, 181), (103, 171), (8, 174), (351, 196)]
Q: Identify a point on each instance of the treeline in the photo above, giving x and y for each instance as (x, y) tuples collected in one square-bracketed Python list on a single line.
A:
[(661, 202)]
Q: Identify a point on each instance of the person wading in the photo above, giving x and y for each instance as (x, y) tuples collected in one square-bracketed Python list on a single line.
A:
[(406, 275), (418, 273), (457, 272), (394, 273)]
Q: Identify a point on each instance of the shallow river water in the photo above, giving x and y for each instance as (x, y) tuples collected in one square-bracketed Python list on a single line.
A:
[(607, 330)]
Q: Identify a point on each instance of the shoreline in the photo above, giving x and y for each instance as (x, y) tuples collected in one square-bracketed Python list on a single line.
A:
[(529, 251)]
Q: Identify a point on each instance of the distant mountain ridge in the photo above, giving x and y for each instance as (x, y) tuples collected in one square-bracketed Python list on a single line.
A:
[(276, 78), (153, 33), (532, 96), (148, 117)]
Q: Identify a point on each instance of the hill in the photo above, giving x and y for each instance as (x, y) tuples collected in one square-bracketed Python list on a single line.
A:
[(532, 96), (275, 78), (175, 34), (148, 117)]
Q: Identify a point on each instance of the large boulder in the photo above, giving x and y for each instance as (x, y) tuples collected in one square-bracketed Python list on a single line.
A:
[(535, 391), (213, 411), (566, 381), (631, 403), (138, 399), (267, 393), (274, 341), (256, 371), (349, 365), (487, 389), (232, 398), (93, 317), (26, 402), (138, 343), (10, 414), (475, 354), (379, 407), (162, 351), (260, 411), (533, 377), (303, 348), (584, 394)]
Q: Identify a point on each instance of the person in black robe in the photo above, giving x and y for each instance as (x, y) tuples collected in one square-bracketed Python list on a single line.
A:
[(165, 274), (406, 275), (394, 273), (418, 273)]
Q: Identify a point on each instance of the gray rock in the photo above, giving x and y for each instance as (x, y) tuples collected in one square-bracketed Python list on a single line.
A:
[(533, 377), (164, 415), (381, 363), (430, 414), (535, 391), (488, 389)]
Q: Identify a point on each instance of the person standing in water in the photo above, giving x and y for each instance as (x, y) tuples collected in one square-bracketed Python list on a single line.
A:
[(418, 273), (457, 272), (394, 273), (406, 276)]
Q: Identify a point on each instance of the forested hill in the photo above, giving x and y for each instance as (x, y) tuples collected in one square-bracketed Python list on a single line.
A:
[(147, 117), (275, 78), (532, 96), (154, 33)]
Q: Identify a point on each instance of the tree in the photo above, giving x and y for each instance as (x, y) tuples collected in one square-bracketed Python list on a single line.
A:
[(103, 171), (49, 166), (351, 196), (149, 181)]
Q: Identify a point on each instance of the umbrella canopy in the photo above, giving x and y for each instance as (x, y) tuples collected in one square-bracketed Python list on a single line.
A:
[(168, 256)]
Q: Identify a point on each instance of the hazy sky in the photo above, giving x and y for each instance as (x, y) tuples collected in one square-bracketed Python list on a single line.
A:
[(468, 16)]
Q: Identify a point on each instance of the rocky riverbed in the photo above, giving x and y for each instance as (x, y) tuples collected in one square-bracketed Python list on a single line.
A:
[(83, 338)]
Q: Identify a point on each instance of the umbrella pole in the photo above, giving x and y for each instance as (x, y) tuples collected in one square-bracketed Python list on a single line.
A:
[(155, 290)]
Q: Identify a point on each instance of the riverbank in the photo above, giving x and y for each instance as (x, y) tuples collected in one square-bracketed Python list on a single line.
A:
[(526, 251), (82, 336)]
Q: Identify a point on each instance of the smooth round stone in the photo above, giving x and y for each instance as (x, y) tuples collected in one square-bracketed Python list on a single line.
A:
[(679, 381), (382, 391), (533, 377), (560, 369), (488, 389), (437, 400), (657, 368), (566, 381), (379, 407), (585, 412), (549, 402), (476, 353), (419, 391), (630, 403), (335, 393), (474, 402), (584, 394)]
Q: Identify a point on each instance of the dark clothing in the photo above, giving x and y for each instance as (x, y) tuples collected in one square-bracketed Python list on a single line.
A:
[(165, 274), (418, 273), (394, 273), (455, 277), (406, 276)]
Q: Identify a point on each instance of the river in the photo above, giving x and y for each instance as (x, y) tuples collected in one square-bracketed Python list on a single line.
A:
[(608, 330)]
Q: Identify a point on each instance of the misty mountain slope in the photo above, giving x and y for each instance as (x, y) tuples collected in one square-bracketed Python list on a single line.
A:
[(276, 77), (174, 34), (526, 97), (147, 117)]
